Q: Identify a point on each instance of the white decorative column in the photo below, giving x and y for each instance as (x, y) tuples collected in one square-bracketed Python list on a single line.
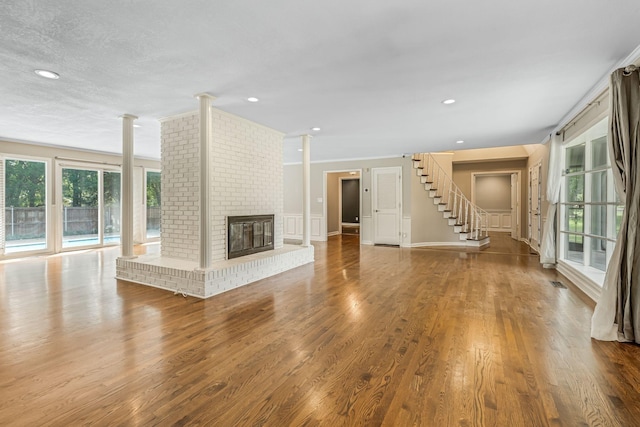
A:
[(205, 182), (126, 228), (306, 190)]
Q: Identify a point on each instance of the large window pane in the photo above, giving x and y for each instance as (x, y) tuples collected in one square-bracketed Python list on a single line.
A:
[(153, 204), (598, 253), (575, 188), (599, 152), (25, 205), (599, 186), (575, 219), (575, 159), (599, 220), (111, 194), (574, 248), (80, 207)]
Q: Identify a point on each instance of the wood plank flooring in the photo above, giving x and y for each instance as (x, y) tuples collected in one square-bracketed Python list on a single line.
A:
[(365, 336)]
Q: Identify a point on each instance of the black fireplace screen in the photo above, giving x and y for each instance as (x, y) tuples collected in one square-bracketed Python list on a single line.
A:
[(249, 234)]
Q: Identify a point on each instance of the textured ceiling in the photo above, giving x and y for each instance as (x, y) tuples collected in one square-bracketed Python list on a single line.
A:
[(371, 74)]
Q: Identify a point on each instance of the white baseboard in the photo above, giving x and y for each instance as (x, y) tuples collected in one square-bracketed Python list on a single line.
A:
[(333, 233), (435, 244), (366, 242)]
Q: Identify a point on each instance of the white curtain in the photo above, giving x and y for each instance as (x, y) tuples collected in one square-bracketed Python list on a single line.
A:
[(617, 314), (554, 179)]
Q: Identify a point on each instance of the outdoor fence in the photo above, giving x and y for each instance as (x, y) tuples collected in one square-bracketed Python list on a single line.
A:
[(24, 223), (153, 218), (30, 223)]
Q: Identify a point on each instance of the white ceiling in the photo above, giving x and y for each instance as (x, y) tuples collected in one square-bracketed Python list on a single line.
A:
[(372, 74)]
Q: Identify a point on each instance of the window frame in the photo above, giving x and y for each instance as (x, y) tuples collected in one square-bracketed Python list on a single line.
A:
[(144, 198), (100, 168), (49, 224), (588, 265)]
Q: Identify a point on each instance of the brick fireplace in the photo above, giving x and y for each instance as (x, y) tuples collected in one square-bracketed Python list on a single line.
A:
[(246, 179)]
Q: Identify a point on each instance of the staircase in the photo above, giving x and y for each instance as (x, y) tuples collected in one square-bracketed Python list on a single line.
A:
[(467, 220)]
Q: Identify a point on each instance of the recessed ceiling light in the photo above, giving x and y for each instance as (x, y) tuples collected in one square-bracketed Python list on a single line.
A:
[(137, 126), (459, 141), (47, 74), (253, 99), (299, 149), (315, 129), (448, 101)]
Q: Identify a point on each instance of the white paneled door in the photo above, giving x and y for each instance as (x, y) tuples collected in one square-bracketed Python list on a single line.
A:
[(386, 201)]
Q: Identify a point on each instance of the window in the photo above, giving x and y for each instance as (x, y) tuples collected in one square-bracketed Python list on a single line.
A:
[(590, 208), (111, 206), (25, 205), (153, 204), (90, 206)]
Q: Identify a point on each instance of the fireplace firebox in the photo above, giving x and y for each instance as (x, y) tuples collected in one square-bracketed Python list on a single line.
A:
[(249, 234)]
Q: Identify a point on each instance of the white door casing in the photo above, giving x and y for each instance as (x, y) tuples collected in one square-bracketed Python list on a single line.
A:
[(534, 213), (514, 206)]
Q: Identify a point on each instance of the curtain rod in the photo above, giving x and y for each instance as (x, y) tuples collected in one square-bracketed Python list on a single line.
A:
[(629, 69), (596, 102)]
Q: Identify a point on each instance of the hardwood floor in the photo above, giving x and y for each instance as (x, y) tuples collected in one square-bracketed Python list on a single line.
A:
[(365, 336)]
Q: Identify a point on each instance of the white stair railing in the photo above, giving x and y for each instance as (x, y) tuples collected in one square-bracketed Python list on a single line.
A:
[(471, 218)]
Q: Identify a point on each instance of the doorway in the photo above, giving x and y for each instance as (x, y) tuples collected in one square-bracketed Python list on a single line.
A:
[(498, 193), (89, 199), (349, 199), (342, 202)]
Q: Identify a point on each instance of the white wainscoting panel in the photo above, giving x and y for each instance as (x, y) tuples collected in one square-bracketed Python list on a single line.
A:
[(293, 227), (366, 226), (499, 220)]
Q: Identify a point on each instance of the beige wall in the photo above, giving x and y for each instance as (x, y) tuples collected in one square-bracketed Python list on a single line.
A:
[(293, 189), (462, 177), (293, 183), (516, 152), (428, 225), (493, 192)]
